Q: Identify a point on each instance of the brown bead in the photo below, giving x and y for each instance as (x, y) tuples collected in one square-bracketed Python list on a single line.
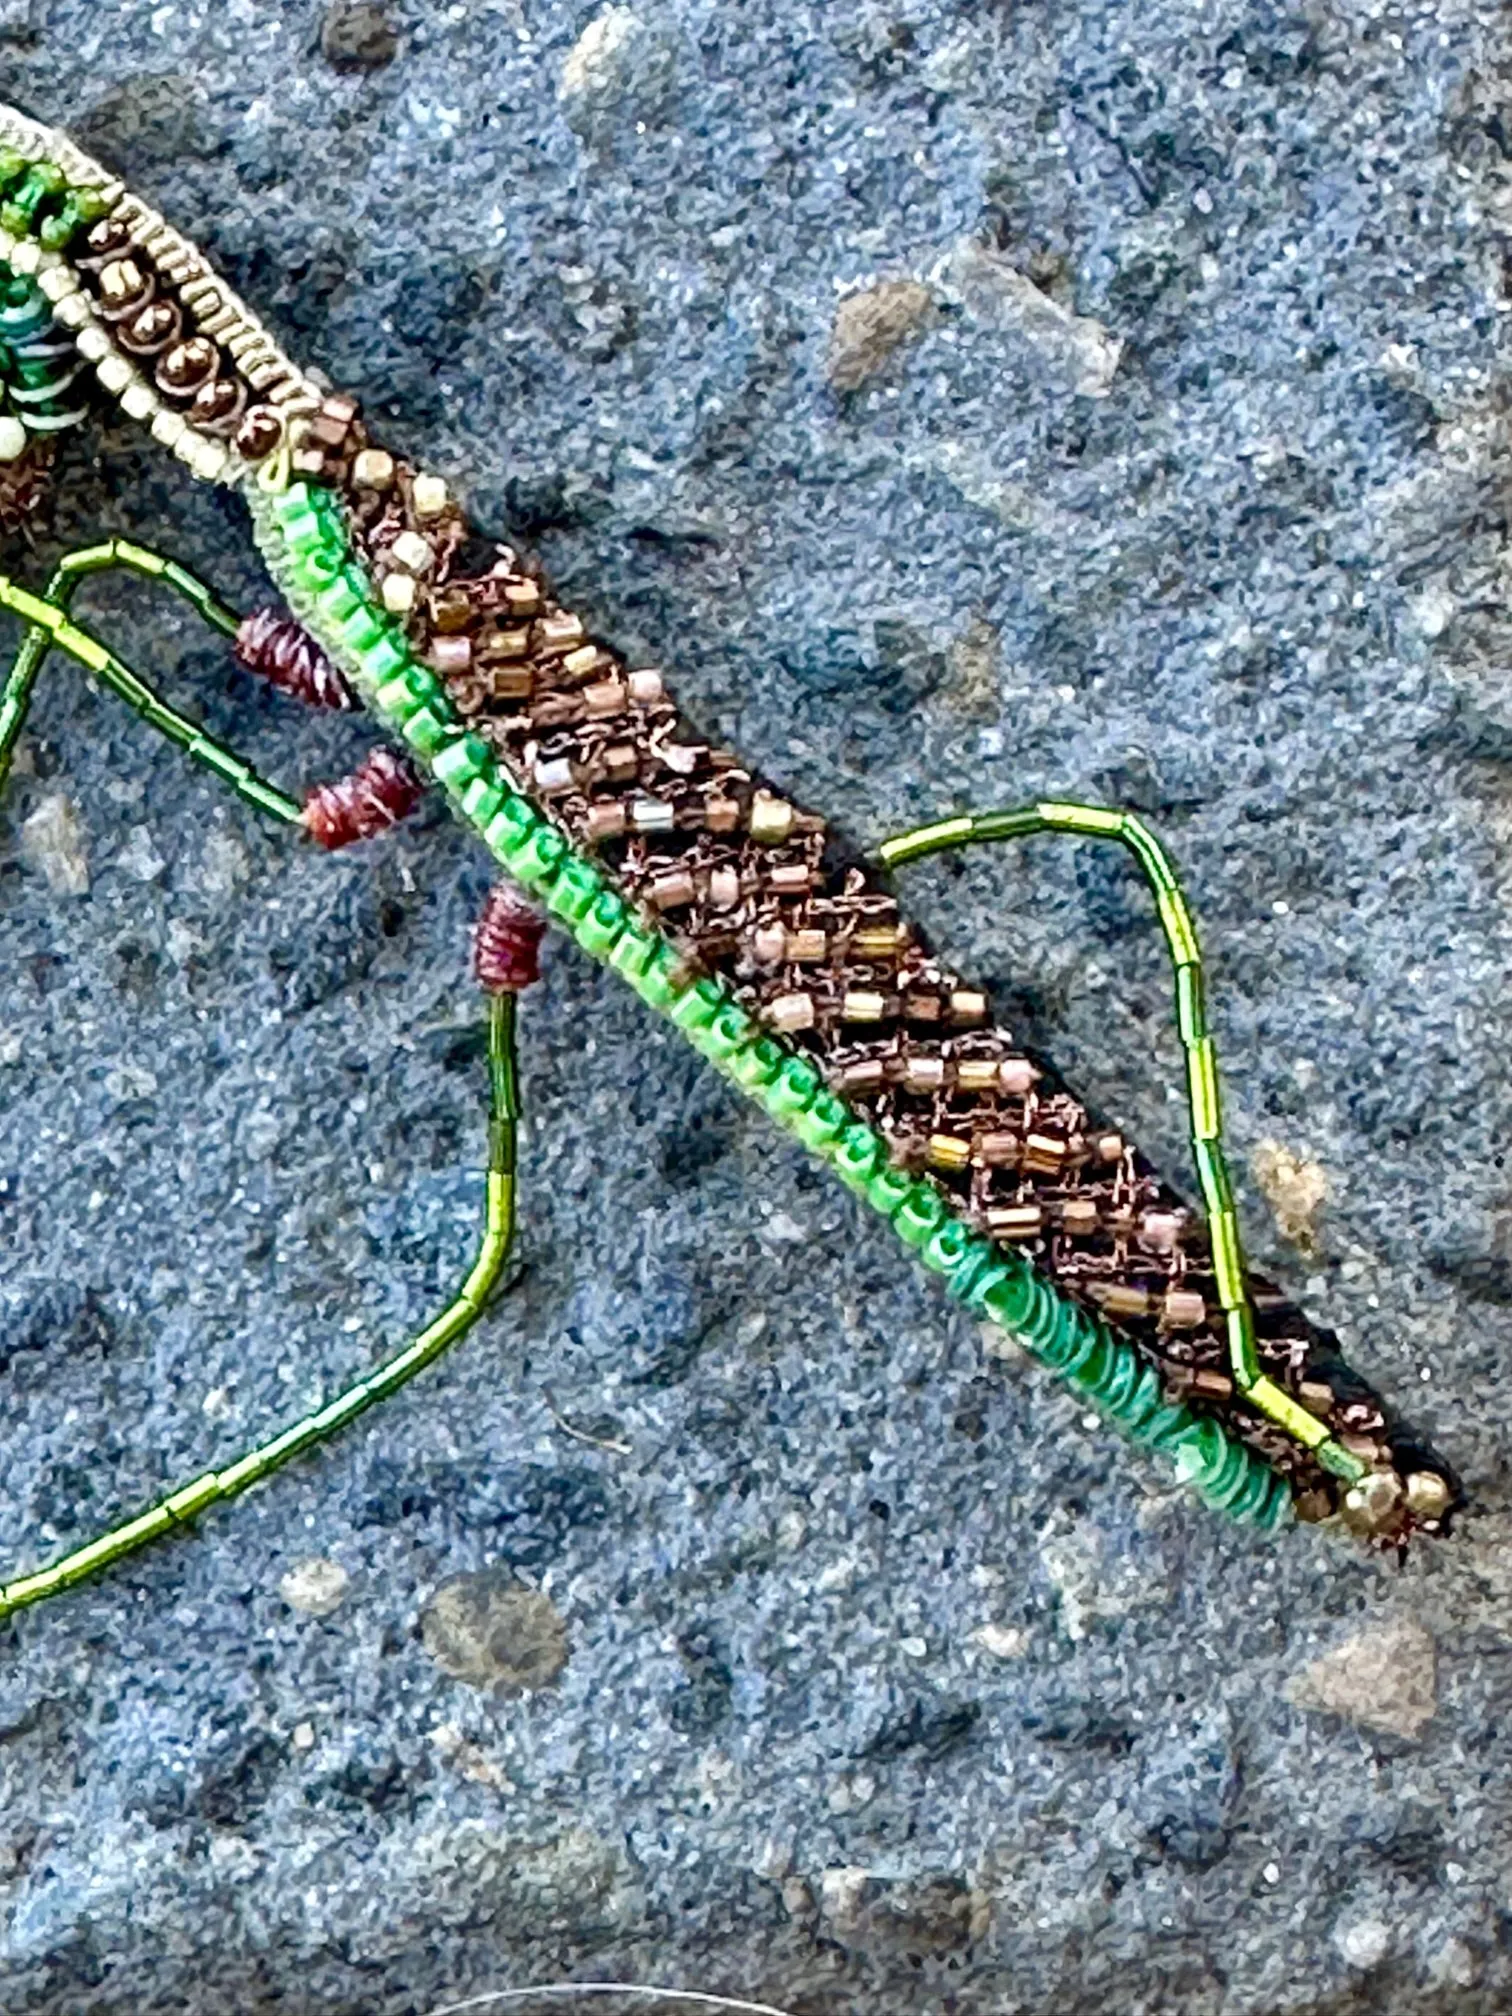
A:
[(807, 948), (790, 878), (259, 434), (1316, 1397), (1183, 1309), (1374, 1505), (1108, 1147), (512, 682), (1119, 1300), (864, 1076), (508, 642), (620, 763), (151, 329), (724, 888), (603, 700), (559, 631), (1017, 1076), (771, 819), (672, 891), (1079, 1217), (451, 609), (606, 821), (924, 1074), (791, 1012), (1015, 1221), (105, 239), (878, 941), (720, 815), (522, 598), (921, 1007), (968, 1005), (998, 1151), (1208, 1383), (1044, 1154)]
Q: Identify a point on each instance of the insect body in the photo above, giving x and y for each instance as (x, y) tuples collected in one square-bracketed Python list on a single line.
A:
[(730, 909)]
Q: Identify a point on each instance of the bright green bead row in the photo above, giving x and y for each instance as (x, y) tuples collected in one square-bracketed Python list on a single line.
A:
[(37, 201), (304, 540)]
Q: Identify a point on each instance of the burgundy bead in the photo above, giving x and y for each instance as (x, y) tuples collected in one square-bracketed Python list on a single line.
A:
[(278, 648), (507, 942), (380, 792)]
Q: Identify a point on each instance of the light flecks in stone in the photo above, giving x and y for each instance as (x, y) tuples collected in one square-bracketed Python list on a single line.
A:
[(317, 1587), (596, 62), (489, 1630), (1003, 1641), (467, 1759), (1362, 1942), (52, 840), (1295, 1187), (139, 857), (869, 326), (1384, 1677)]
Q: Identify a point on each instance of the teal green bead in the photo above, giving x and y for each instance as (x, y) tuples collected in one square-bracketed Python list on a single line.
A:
[(511, 828), (598, 930), (395, 701), (727, 1035), (1011, 1300), (304, 532), (633, 951), (575, 891), (978, 1265), (949, 1248), (337, 602), (361, 631), (290, 503)]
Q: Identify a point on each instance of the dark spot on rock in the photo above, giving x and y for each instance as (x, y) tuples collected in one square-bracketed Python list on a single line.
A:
[(489, 1630), (239, 1782), (705, 1700), (1196, 1844), (147, 122), (1081, 1728), (377, 1783), (932, 1728), (357, 35)]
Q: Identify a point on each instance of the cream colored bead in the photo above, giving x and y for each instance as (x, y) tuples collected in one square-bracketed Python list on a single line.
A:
[(56, 282), (138, 401), (26, 257), (429, 496), (412, 552), (373, 469), (12, 438), (73, 310), (114, 373), (168, 427), (94, 343), (399, 593)]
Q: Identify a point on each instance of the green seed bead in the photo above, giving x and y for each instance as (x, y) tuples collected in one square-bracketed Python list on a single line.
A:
[(12, 167), (482, 798), (337, 602), (697, 1007), (727, 1035), (396, 702), (41, 182), (361, 631), (859, 1154), (820, 1125), (633, 952), (602, 925), (511, 827), (921, 1213), (887, 1190), (1010, 1301), (796, 1086), (757, 1063), (977, 1266), (662, 980), (540, 858), (427, 733), (463, 762), (575, 891), (383, 659)]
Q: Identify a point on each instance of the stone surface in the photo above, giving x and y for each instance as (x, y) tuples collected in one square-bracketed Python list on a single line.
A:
[(1385, 1677), (1215, 531)]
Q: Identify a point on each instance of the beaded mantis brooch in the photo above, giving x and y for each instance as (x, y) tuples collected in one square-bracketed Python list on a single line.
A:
[(731, 911)]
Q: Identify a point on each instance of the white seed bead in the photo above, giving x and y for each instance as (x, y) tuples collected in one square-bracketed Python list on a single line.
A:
[(412, 552), (12, 437), (429, 496), (399, 593)]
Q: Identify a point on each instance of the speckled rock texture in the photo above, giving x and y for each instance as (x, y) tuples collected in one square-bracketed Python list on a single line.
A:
[(719, 1615)]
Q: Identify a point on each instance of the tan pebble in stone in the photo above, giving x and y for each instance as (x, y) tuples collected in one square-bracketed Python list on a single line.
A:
[(1296, 1190), (489, 1630), (868, 328), (1384, 1677)]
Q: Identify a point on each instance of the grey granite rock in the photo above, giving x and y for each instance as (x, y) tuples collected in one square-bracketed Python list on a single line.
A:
[(890, 1684)]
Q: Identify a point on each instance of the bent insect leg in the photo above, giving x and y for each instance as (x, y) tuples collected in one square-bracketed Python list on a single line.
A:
[(216, 1487), (384, 789), (1097, 822)]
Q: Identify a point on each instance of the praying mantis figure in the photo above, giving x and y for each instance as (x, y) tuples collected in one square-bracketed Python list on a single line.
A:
[(732, 911)]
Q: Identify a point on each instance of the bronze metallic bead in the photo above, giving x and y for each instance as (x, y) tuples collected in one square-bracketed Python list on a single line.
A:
[(152, 329), (259, 434), (187, 366), (218, 406), (124, 288)]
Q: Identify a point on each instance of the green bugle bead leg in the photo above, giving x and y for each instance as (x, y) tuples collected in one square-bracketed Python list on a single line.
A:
[(216, 1487), (1097, 822), (50, 627)]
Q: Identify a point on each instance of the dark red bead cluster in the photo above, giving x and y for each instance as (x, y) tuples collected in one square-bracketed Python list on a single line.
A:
[(507, 942), (281, 650), (384, 789)]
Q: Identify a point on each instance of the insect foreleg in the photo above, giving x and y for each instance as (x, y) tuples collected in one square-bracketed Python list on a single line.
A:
[(1098, 822), (50, 627), (215, 1487)]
